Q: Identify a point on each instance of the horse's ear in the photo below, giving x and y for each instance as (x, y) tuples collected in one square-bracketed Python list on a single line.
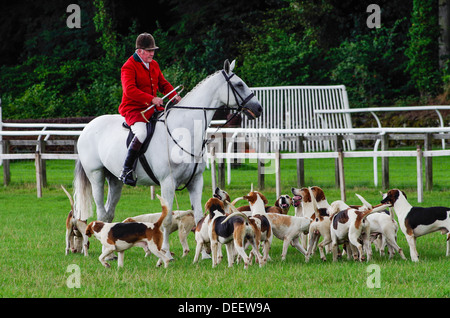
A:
[(226, 66), (232, 65)]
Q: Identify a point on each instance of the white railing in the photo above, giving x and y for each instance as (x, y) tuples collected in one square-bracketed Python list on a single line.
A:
[(288, 121), (324, 113), (293, 107), (276, 157)]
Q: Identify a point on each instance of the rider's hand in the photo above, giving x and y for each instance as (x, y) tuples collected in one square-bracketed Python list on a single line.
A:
[(157, 101), (177, 99)]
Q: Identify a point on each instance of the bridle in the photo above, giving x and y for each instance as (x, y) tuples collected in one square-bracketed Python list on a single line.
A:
[(244, 101), (241, 107), (240, 101)]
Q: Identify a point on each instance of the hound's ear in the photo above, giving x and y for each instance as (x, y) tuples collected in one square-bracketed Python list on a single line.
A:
[(226, 66), (89, 230), (263, 197), (277, 202)]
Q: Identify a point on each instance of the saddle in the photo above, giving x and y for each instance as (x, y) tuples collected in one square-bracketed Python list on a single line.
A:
[(150, 130)]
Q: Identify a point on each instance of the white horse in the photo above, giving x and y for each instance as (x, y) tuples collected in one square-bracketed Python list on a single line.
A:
[(102, 148)]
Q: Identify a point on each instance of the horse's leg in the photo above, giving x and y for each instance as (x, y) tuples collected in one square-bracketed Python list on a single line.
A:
[(114, 192), (97, 179), (168, 193), (195, 189)]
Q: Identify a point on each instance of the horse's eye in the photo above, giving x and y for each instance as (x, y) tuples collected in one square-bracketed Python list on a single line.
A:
[(240, 85)]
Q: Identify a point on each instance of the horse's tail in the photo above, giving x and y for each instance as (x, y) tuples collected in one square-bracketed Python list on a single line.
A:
[(82, 194)]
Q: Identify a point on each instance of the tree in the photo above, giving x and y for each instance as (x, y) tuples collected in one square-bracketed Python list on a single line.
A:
[(423, 49)]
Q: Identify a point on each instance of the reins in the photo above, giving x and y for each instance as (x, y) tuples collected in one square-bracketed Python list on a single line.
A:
[(170, 106), (241, 107)]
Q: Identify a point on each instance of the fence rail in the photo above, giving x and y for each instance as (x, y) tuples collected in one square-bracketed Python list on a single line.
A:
[(213, 157), (299, 140)]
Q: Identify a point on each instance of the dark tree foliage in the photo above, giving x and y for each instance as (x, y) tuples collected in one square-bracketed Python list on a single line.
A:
[(49, 70)]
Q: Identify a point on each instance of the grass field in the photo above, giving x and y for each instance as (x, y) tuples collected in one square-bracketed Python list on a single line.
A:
[(32, 244)]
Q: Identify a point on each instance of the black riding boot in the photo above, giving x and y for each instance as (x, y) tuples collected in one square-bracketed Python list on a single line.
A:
[(127, 173)]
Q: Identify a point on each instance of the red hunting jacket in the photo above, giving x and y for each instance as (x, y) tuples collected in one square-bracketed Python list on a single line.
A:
[(139, 86)]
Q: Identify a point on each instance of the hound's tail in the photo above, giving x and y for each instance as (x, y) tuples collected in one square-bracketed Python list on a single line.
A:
[(366, 204), (82, 194), (236, 200), (165, 210), (374, 210), (70, 198), (182, 214)]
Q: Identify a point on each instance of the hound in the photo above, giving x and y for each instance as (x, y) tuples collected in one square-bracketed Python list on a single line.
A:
[(384, 225), (257, 203), (308, 210), (288, 228), (417, 221), (201, 230), (320, 226), (281, 206), (232, 231), (122, 236), (223, 196), (75, 230), (349, 225), (182, 221)]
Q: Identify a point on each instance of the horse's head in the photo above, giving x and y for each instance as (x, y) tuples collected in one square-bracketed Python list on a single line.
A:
[(238, 94)]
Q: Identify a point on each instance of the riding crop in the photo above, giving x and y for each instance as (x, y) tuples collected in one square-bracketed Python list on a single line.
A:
[(165, 96)]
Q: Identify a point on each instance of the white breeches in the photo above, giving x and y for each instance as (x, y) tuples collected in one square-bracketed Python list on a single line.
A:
[(139, 129)]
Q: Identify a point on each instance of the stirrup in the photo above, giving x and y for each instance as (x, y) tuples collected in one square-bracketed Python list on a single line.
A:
[(128, 177)]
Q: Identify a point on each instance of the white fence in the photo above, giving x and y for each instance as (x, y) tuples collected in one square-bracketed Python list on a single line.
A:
[(282, 123), (276, 157), (293, 107)]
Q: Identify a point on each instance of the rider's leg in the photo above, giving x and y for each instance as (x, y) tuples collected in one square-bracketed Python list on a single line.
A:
[(140, 131)]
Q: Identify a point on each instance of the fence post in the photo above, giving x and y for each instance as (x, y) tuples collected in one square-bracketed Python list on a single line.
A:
[(221, 164), (261, 163), (428, 145), (337, 147), (419, 175), (6, 166), (340, 160), (213, 169), (41, 149), (300, 163), (278, 173), (384, 163), (37, 163)]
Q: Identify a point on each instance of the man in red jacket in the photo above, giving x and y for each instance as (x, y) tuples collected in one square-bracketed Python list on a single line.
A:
[(141, 80)]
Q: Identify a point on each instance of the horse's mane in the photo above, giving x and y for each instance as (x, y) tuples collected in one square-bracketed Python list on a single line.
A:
[(201, 83)]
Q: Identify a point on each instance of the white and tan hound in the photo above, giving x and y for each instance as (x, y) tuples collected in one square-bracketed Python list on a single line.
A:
[(350, 224), (122, 236), (182, 221), (75, 231), (257, 202), (383, 227), (281, 206)]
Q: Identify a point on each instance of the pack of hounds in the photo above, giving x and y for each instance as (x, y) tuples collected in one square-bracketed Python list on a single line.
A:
[(254, 225)]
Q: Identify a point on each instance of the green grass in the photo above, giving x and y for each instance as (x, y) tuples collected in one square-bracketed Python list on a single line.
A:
[(32, 245)]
